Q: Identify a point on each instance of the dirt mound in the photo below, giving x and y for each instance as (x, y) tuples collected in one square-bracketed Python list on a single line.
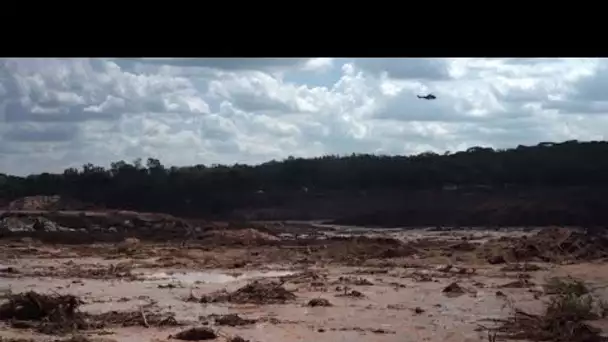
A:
[(559, 244), (87, 226), (120, 270), (548, 245), (131, 319), (11, 224), (356, 250), (247, 236), (253, 293), (56, 314), (35, 306), (45, 203)]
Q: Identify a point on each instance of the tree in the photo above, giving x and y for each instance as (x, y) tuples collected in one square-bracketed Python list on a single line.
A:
[(201, 190)]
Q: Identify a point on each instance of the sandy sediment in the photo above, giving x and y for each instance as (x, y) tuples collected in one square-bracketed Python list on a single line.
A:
[(281, 283)]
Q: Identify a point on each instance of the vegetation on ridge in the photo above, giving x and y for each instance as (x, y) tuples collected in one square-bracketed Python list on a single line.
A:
[(218, 189)]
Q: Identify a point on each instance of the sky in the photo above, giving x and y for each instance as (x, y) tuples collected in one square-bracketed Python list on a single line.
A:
[(60, 113)]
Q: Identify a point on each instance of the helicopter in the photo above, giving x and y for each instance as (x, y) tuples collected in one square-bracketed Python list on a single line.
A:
[(427, 97)]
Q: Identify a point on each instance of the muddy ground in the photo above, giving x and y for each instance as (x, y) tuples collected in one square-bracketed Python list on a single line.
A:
[(292, 282)]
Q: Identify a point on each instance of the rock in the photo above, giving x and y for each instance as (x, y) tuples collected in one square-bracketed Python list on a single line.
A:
[(38, 225), (9, 270), (195, 334), (396, 306), (380, 331), (43, 224), (355, 281), (247, 236), (422, 277), (517, 284), (496, 259), (131, 242), (27, 240), (237, 339), (521, 268), (27, 224), (14, 224), (233, 320), (453, 290), (319, 302), (352, 293)]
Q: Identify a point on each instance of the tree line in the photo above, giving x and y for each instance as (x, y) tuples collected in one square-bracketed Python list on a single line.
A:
[(217, 189)]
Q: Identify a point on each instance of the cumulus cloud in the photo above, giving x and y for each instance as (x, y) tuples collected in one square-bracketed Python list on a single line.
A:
[(586, 95), (59, 113), (408, 68), (319, 64), (232, 63)]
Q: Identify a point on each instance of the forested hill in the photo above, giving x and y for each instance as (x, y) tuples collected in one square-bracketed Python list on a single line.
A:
[(339, 186)]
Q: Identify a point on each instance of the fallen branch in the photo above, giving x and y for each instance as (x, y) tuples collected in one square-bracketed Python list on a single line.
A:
[(143, 316)]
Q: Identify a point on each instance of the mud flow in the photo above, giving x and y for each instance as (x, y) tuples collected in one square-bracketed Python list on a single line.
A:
[(124, 276)]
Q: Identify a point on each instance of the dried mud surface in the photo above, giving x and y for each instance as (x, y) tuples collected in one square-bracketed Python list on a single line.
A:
[(289, 283)]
